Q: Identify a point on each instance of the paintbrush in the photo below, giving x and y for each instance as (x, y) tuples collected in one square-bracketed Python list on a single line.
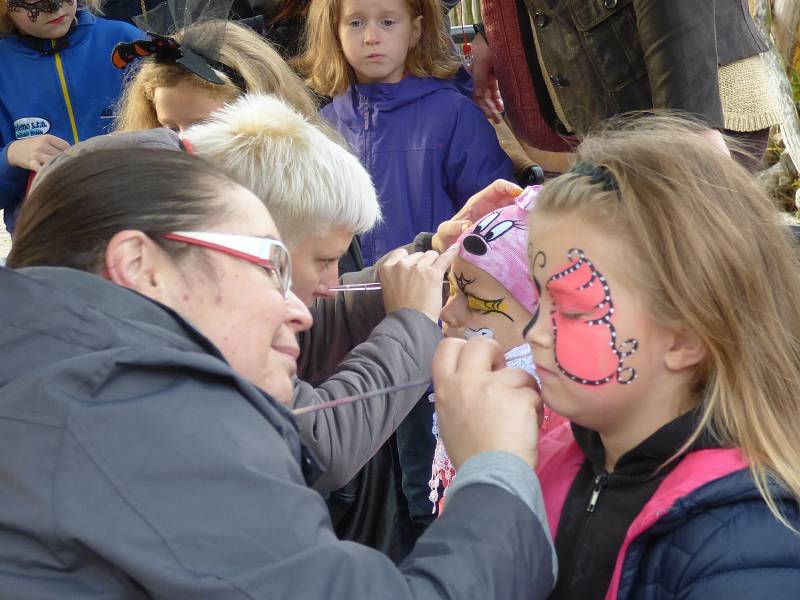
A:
[(350, 399), (357, 287), (363, 287)]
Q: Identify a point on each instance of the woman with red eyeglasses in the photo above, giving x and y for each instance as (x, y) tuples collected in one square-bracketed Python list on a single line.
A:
[(148, 335)]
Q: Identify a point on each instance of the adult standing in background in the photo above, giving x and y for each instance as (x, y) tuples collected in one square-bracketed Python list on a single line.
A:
[(589, 60)]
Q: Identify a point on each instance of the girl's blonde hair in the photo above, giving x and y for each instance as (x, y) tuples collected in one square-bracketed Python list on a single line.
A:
[(259, 64), (7, 27), (327, 69), (710, 255)]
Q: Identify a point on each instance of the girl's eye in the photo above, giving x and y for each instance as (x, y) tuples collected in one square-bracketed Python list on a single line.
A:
[(387, 22), (571, 315), (355, 23)]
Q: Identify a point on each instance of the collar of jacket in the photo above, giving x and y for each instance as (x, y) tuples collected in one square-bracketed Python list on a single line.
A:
[(77, 33), (643, 461), (93, 313), (389, 96)]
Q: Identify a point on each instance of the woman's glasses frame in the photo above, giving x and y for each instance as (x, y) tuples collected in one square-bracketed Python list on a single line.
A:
[(268, 253)]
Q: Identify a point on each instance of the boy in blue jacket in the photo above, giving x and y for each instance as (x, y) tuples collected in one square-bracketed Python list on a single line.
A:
[(57, 86)]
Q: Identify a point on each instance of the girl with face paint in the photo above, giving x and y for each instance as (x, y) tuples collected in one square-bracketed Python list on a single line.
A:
[(668, 333), (57, 85), (491, 296)]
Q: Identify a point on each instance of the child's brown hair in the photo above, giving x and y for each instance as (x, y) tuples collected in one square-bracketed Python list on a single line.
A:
[(711, 255), (327, 70)]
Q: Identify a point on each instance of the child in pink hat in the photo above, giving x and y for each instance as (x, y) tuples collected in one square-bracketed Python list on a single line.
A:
[(491, 295)]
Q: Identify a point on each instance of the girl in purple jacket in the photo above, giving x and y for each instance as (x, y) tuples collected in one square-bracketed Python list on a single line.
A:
[(389, 66)]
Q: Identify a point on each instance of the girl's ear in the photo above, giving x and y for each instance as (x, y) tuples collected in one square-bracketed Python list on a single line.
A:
[(416, 30), (685, 352)]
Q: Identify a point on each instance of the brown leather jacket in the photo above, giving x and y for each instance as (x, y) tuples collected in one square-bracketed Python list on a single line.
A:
[(604, 57)]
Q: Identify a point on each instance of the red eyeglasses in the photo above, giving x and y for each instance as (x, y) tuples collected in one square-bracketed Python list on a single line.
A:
[(268, 253)]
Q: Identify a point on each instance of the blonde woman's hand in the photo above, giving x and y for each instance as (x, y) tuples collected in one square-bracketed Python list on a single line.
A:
[(414, 280), (34, 153), (482, 405), (496, 195)]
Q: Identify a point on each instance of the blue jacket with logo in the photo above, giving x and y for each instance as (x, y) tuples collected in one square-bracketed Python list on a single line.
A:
[(426, 145), (69, 93)]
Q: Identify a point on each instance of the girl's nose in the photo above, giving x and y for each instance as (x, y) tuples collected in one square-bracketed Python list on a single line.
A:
[(537, 331), (371, 34), (454, 311)]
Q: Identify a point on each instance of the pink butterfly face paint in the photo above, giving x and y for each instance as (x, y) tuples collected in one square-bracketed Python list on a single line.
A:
[(584, 337)]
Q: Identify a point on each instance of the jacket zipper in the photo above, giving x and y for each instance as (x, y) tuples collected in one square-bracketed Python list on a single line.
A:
[(598, 484), (64, 90), (597, 487), (367, 165)]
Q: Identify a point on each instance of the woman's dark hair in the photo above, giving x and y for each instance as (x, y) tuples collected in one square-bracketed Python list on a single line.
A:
[(81, 202)]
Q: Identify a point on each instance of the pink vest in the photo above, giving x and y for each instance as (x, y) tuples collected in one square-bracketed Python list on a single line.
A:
[(560, 458)]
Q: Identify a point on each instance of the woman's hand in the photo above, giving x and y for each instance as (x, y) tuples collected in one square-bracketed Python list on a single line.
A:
[(415, 280), (496, 195), (34, 153), (482, 405), (486, 92)]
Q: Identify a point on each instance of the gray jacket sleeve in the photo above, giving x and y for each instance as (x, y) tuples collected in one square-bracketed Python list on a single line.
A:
[(187, 491), (342, 322), (355, 347), (400, 348)]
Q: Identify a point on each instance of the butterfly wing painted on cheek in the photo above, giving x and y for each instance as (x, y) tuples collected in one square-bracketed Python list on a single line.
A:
[(585, 339)]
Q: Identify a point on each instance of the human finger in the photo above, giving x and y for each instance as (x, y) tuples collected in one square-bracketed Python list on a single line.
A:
[(57, 143), (448, 232), (443, 261), (481, 355), (496, 195), (395, 256), (428, 258), (445, 359)]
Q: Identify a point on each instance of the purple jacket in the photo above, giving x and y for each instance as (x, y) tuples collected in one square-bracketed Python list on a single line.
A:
[(426, 145)]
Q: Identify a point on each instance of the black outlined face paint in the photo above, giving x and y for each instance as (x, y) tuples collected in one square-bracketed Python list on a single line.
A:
[(584, 337), (483, 305), (538, 260), (34, 9)]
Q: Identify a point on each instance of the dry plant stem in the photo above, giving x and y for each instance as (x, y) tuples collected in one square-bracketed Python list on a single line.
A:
[(350, 399)]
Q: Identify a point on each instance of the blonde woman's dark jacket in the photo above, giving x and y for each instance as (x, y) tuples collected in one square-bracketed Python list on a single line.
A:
[(599, 58)]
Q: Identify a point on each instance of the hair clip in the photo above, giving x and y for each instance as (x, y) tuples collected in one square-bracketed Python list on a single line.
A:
[(597, 174), (167, 49)]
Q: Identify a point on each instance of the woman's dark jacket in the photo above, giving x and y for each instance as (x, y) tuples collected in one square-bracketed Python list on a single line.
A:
[(136, 463), (605, 57)]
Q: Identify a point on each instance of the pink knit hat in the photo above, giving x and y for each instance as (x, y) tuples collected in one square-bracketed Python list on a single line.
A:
[(498, 244)]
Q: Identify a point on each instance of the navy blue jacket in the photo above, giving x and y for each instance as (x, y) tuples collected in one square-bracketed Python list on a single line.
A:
[(69, 94), (426, 145), (720, 541)]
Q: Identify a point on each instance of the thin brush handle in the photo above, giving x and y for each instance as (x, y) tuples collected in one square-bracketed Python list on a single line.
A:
[(356, 287), (350, 399), (363, 287)]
